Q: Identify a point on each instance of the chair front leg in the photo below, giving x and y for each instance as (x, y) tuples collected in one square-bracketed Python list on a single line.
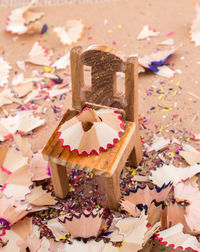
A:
[(59, 179)]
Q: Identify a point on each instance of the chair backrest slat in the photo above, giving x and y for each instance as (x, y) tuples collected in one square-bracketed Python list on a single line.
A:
[(105, 62)]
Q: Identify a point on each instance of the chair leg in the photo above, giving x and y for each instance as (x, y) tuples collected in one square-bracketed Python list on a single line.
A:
[(112, 191), (136, 154), (59, 179), (164, 219)]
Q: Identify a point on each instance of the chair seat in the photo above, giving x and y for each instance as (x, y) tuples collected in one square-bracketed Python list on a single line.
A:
[(104, 164)]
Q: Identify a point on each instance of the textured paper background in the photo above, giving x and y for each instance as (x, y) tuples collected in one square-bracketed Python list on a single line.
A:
[(16, 3), (176, 111)]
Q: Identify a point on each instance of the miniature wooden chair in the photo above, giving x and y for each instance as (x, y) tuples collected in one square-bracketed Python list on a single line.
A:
[(104, 62)]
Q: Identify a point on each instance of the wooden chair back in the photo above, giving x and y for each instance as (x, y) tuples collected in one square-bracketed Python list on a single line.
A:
[(105, 62)]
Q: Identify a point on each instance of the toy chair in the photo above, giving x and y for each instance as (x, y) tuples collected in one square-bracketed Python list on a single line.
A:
[(104, 63)]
